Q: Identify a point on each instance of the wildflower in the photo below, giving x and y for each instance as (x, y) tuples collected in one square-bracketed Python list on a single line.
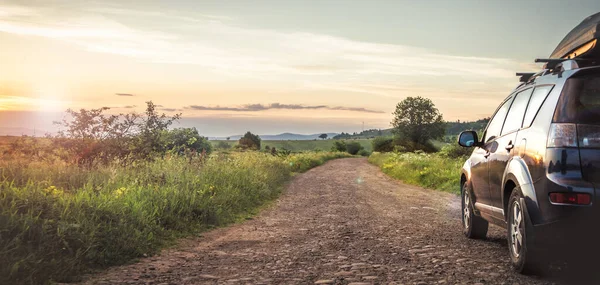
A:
[(52, 190), (120, 191)]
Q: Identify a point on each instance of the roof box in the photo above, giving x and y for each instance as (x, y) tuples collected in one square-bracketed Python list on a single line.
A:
[(581, 42)]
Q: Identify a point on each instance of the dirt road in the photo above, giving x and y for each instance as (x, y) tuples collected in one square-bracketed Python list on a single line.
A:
[(342, 223)]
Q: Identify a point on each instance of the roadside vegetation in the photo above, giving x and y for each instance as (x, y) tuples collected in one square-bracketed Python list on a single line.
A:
[(420, 152), (112, 188)]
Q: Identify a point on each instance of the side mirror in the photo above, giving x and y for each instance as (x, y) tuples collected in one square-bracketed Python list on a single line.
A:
[(468, 139)]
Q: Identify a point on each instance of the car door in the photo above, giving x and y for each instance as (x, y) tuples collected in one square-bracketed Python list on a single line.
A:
[(479, 159), (504, 148)]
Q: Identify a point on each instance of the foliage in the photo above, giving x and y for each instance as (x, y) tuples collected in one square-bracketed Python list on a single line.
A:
[(339, 146), (453, 150), (223, 145), (182, 139), (416, 122), (249, 141), (383, 144), (323, 136), (58, 219), (363, 152), (353, 147), (428, 170), (371, 133)]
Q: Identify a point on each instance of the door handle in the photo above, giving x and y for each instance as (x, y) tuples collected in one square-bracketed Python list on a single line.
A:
[(509, 146)]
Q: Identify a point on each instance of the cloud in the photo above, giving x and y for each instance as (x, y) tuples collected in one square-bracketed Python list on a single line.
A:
[(124, 94), (169, 109), (279, 106)]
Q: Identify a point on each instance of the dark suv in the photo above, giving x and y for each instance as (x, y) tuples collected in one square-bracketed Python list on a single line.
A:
[(537, 166)]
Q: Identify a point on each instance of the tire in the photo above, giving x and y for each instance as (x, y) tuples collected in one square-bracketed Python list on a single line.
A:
[(474, 227), (523, 254)]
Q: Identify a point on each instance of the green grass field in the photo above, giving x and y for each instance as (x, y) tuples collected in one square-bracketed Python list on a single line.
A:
[(435, 171), (58, 220), (301, 145)]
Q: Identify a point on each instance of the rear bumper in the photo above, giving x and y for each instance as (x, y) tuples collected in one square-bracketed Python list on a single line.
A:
[(579, 229)]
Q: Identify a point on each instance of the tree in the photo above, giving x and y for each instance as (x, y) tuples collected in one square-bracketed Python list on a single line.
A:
[(182, 139), (416, 122), (383, 144), (250, 141), (323, 136)]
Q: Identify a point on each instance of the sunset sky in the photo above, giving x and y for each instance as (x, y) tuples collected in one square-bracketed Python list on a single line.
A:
[(270, 66)]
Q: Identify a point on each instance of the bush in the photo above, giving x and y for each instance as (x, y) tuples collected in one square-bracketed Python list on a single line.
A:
[(364, 152), (249, 141), (181, 139), (383, 144), (353, 148), (455, 151), (339, 146)]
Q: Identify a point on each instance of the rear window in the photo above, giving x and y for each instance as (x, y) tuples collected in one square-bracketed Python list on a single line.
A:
[(580, 101)]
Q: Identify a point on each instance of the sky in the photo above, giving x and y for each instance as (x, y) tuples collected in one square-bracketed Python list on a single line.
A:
[(270, 66)]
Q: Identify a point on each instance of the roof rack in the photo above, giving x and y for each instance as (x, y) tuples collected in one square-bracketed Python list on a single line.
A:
[(552, 63), (525, 76)]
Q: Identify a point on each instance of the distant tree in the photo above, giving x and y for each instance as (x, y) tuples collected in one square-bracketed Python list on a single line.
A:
[(228, 138), (250, 141), (416, 122), (323, 136)]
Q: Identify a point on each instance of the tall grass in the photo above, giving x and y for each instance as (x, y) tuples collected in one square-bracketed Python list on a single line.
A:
[(433, 171), (58, 220)]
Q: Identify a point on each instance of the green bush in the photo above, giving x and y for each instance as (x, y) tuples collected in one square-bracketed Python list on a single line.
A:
[(383, 144), (353, 148), (363, 152), (339, 146), (453, 150)]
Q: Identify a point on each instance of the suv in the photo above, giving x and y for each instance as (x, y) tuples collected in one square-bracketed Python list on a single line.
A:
[(536, 168)]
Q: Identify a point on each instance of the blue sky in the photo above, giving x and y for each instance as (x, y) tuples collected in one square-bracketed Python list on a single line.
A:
[(271, 66)]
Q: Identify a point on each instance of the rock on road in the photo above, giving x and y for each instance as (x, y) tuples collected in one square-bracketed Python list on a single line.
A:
[(341, 223)]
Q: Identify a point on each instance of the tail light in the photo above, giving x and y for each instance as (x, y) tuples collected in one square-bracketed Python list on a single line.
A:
[(572, 135), (562, 135), (571, 198), (589, 136)]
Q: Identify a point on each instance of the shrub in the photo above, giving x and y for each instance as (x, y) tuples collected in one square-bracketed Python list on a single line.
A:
[(182, 139), (249, 141), (339, 146), (383, 144), (364, 152), (353, 147), (455, 151)]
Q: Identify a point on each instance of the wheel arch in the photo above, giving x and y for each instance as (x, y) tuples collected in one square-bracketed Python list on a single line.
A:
[(517, 175)]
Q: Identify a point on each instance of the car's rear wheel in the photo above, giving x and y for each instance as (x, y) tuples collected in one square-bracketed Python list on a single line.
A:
[(523, 256), (474, 227)]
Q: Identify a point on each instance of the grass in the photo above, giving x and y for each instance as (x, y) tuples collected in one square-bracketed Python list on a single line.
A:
[(301, 145), (435, 171), (59, 220)]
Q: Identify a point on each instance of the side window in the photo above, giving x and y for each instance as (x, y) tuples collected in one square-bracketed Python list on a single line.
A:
[(537, 99), (495, 125), (514, 119)]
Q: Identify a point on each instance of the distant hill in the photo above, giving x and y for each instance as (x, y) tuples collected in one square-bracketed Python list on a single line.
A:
[(452, 129), (281, 137)]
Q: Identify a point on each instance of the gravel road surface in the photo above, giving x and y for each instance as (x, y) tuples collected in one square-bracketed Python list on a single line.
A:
[(341, 223)]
